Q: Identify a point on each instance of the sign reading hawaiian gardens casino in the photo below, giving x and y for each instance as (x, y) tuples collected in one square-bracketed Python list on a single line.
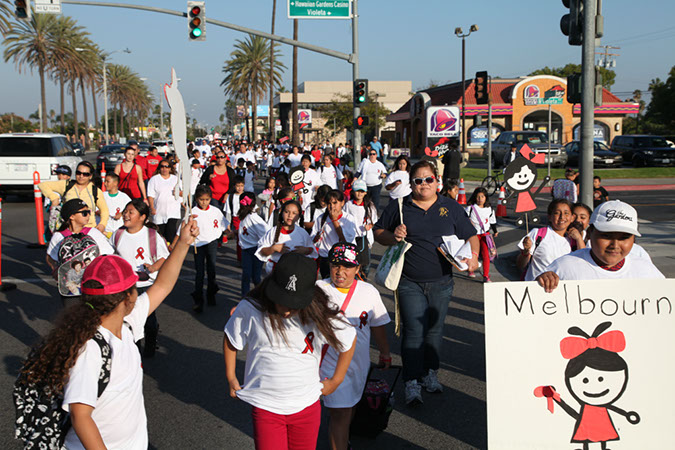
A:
[(319, 9)]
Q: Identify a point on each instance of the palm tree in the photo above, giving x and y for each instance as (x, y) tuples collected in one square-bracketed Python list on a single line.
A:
[(30, 45), (271, 130), (5, 14), (247, 74)]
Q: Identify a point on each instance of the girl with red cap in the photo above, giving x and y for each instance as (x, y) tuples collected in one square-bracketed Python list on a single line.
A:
[(104, 328)]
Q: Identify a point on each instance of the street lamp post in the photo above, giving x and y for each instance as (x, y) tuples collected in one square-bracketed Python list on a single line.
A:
[(460, 34), (377, 115)]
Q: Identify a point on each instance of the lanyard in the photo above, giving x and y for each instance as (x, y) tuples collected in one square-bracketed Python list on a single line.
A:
[(345, 304)]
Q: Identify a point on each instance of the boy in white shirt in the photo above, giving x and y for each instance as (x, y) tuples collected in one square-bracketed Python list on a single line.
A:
[(116, 202)]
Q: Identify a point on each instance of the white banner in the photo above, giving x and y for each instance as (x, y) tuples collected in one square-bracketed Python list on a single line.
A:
[(590, 362)]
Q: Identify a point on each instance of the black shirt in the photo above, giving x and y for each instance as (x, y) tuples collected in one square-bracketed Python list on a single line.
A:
[(423, 262), (600, 195)]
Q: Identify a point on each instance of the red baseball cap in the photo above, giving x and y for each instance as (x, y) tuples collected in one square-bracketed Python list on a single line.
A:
[(112, 271)]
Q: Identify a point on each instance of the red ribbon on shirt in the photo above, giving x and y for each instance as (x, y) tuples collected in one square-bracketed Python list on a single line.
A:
[(215, 223), (117, 211), (139, 252), (308, 340), (364, 319)]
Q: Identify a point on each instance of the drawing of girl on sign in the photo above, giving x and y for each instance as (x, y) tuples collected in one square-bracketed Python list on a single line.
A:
[(597, 377)]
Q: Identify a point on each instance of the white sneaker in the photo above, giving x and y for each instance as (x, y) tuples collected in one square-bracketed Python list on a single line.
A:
[(431, 383), (413, 393)]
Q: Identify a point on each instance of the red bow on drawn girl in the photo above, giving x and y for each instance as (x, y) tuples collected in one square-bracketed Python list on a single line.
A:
[(612, 341), (537, 158)]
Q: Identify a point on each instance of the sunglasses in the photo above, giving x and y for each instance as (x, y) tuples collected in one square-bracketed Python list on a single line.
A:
[(427, 180), (373, 154), (85, 213), (164, 167), (84, 174), (221, 157)]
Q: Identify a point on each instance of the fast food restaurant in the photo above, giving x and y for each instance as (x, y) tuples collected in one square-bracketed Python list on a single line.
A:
[(517, 104)]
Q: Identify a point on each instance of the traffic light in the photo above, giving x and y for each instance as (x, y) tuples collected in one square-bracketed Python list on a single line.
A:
[(574, 88), (360, 92), (196, 21), (572, 24), (22, 11), (362, 121), (482, 89)]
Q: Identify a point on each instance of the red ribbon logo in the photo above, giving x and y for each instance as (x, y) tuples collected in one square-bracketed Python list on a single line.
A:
[(308, 341), (139, 252), (117, 211), (245, 231), (550, 394), (215, 223), (364, 319)]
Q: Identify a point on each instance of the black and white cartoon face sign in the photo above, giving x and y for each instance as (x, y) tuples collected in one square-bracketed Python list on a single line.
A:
[(297, 179), (598, 387), (520, 175)]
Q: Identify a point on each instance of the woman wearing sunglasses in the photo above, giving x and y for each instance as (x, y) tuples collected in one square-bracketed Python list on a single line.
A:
[(164, 205), (426, 283), (372, 172), (82, 187), (218, 178)]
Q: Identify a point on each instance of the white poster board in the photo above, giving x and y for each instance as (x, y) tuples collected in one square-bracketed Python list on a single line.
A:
[(526, 333)]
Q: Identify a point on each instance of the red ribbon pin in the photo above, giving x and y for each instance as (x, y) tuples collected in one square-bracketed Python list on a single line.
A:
[(215, 223), (139, 252), (308, 340), (364, 319), (550, 394)]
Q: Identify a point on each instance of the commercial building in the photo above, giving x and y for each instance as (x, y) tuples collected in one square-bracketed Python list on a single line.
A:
[(517, 104)]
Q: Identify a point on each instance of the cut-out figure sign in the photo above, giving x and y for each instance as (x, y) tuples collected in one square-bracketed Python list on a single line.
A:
[(179, 134), (297, 179), (596, 376), (521, 175)]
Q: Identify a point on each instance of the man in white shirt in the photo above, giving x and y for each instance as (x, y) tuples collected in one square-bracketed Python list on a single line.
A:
[(612, 231), (372, 172), (295, 157)]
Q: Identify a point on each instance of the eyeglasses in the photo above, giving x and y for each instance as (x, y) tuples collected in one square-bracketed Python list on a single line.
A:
[(164, 167), (373, 154), (85, 213), (221, 157), (84, 174), (427, 180)]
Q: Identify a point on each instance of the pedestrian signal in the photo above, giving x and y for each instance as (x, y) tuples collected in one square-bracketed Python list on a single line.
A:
[(362, 121), (196, 21), (572, 24), (481, 85)]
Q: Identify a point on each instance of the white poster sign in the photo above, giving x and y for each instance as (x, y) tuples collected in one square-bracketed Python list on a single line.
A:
[(48, 6), (588, 364), (442, 121)]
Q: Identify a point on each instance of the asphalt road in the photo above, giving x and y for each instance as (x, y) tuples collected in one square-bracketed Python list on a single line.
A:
[(185, 387)]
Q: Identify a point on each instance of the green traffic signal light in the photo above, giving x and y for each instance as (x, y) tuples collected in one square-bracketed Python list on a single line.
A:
[(196, 33)]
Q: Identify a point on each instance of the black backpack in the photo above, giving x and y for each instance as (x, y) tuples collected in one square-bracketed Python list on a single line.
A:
[(76, 249), (40, 420)]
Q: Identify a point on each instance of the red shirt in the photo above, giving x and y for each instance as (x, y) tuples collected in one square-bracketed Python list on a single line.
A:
[(151, 163), (219, 185), (317, 155), (141, 161)]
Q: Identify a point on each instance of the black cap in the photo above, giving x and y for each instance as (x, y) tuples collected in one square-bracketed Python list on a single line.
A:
[(64, 170), (71, 207), (343, 254), (292, 281)]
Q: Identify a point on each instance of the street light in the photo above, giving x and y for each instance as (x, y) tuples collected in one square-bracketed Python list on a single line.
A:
[(460, 34), (105, 86)]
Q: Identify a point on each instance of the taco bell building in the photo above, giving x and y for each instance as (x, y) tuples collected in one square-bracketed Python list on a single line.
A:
[(517, 104)]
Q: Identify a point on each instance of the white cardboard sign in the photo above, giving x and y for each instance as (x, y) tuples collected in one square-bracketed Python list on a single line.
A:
[(606, 347)]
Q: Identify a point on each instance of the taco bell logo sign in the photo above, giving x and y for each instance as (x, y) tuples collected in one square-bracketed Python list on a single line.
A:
[(442, 121), (531, 95), (305, 118)]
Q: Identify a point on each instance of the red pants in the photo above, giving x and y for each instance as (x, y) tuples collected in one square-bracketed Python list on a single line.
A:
[(485, 254), (297, 431)]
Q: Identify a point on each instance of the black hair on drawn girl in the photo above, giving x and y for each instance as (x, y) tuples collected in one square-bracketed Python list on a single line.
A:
[(595, 358)]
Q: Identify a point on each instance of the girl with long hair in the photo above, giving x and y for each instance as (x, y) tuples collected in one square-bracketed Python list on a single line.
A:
[(362, 209), (131, 176), (285, 323), (483, 219), (331, 227)]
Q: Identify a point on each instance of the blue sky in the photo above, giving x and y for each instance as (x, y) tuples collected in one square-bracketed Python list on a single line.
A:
[(399, 40)]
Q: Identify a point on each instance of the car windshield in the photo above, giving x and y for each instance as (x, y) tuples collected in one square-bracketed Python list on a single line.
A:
[(648, 141), (601, 147), (532, 138), (113, 149)]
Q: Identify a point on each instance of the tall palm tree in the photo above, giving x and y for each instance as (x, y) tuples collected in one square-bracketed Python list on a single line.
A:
[(5, 14), (247, 74), (30, 45), (272, 131)]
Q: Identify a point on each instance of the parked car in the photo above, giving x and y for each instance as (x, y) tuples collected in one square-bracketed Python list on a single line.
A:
[(602, 155), (22, 154), (78, 149), (644, 150), (164, 148), (536, 140), (112, 155)]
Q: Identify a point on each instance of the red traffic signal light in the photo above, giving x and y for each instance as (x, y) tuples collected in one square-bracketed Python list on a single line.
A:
[(22, 9), (362, 121)]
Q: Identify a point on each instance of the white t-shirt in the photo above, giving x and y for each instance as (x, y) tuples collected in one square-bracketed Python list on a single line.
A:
[(135, 249), (579, 265), (486, 217), (295, 159), (104, 247), (236, 157), (251, 230), (194, 180), (371, 172), (281, 376), (309, 217), (116, 204), (358, 212), (119, 413), (329, 236), (166, 204), (230, 213), (365, 310), (211, 223), (248, 181), (551, 247), (329, 176), (403, 189), (296, 238)]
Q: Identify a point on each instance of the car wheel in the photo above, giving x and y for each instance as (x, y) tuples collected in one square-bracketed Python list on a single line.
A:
[(638, 161)]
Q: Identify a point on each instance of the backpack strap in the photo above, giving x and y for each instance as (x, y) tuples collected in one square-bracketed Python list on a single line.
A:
[(69, 186), (85, 230), (106, 356), (66, 233), (117, 236), (541, 234)]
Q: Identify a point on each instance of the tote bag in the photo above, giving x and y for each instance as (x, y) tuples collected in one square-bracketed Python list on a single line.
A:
[(489, 240), (391, 266)]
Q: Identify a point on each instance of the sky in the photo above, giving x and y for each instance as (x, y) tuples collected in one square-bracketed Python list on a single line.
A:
[(398, 40)]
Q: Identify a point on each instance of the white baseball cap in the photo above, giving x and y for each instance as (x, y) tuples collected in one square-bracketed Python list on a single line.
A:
[(615, 216)]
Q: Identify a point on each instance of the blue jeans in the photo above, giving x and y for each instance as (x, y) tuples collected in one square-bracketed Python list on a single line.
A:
[(423, 309), (251, 268), (374, 192)]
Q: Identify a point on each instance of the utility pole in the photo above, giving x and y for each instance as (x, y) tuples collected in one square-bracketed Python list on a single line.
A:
[(606, 61), (355, 76), (587, 103)]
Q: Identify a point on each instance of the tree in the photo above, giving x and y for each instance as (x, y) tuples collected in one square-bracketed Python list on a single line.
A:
[(5, 14), (341, 109), (608, 75), (660, 114)]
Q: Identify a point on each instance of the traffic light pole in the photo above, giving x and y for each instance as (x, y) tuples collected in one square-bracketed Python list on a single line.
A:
[(355, 76), (587, 104)]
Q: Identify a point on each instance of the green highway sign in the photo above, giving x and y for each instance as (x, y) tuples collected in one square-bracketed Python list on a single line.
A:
[(319, 9)]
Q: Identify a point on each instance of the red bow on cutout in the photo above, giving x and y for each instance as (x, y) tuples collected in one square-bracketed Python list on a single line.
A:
[(612, 341), (308, 341), (534, 157)]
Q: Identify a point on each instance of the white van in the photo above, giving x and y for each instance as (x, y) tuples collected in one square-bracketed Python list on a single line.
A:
[(22, 154)]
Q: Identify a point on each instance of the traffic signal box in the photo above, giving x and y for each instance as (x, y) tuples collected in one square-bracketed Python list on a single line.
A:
[(482, 88), (196, 21), (362, 121), (360, 92), (572, 24), (22, 9)]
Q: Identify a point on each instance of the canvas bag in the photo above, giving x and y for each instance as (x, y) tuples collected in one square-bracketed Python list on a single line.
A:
[(75, 248), (489, 240), (391, 265)]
